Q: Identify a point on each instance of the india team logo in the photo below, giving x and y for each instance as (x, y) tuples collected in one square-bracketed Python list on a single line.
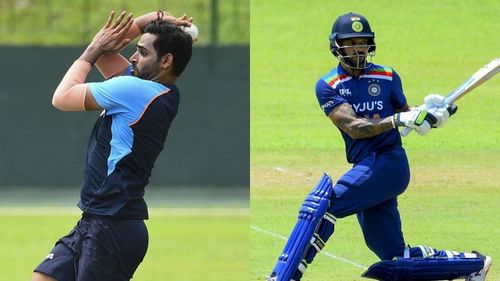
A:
[(374, 90), (357, 26)]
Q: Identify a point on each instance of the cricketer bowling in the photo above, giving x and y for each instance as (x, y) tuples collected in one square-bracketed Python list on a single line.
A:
[(365, 101), (138, 102)]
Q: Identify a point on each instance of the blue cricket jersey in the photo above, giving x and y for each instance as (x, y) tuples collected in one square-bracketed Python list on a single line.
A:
[(125, 142), (377, 93)]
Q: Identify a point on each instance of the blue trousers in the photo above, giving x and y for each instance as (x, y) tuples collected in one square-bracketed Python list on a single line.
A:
[(370, 191)]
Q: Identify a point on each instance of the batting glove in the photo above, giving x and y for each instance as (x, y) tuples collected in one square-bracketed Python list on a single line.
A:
[(434, 100), (435, 104), (423, 129), (414, 119), (442, 114)]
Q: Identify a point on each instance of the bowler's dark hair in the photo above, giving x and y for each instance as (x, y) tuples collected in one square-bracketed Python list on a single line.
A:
[(171, 39)]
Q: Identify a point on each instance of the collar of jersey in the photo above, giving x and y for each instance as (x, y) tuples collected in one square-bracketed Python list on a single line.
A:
[(341, 70)]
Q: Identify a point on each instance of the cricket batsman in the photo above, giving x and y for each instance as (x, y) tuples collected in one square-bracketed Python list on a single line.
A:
[(137, 104), (365, 101)]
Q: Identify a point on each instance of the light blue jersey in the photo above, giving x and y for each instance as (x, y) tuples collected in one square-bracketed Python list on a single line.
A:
[(125, 142)]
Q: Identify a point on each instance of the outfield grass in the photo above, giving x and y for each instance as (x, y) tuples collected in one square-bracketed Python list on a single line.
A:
[(453, 198), (185, 244)]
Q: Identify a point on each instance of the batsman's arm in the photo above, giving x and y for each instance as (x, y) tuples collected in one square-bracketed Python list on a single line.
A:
[(344, 117), (406, 107)]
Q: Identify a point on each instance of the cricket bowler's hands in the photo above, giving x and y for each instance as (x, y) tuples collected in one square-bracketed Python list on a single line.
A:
[(142, 21), (110, 39), (112, 63), (184, 22), (418, 119)]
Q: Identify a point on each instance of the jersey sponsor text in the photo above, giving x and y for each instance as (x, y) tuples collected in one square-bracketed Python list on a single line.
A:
[(368, 106)]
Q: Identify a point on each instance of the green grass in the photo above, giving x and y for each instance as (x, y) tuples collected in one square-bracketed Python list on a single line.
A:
[(65, 22), (185, 244), (452, 200)]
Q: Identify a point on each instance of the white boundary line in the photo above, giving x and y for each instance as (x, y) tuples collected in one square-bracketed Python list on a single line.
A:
[(330, 255)]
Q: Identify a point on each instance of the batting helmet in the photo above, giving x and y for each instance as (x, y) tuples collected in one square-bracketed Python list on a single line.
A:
[(351, 25)]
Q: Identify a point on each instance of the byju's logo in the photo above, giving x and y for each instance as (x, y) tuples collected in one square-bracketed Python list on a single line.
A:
[(368, 106)]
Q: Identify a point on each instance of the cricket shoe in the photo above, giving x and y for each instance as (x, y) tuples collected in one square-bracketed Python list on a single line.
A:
[(481, 274)]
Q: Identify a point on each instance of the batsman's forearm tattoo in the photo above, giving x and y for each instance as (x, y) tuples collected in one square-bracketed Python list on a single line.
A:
[(365, 128), (356, 127)]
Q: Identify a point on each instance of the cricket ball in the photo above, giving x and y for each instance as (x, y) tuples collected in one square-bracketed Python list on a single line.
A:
[(192, 31)]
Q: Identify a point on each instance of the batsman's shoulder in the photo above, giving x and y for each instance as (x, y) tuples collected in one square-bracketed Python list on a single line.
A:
[(332, 73), (322, 87), (381, 69), (334, 78)]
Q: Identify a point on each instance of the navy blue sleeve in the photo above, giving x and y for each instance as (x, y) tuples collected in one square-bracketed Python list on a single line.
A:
[(328, 98), (398, 98)]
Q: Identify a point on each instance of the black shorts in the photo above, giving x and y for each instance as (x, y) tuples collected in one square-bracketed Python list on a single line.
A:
[(98, 248)]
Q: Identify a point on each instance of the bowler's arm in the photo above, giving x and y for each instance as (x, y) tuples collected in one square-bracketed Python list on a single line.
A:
[(115, 64), (72, 93)]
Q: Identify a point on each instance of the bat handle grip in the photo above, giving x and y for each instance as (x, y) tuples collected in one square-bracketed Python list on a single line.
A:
[(452, 109), (406, 131)]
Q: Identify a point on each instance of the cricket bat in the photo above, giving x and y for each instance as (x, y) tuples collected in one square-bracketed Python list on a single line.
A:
[(478, 78)]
